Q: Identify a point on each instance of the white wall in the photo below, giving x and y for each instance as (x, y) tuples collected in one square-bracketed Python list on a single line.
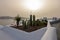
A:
[(50, 34)]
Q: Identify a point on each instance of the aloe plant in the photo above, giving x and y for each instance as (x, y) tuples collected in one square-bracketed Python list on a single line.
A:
[(17, 18)]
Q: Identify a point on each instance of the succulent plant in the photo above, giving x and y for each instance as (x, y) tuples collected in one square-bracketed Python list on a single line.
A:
[(17, 18)]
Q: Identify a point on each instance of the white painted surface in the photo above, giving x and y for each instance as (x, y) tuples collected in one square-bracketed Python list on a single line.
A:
[(21, 35), (49, 25), (50, 34), (5, 36), (47, 33), (1, 26)]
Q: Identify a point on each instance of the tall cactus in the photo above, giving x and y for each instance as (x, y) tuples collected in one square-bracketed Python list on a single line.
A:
[(30, 20), (33, 20), (23, 22)]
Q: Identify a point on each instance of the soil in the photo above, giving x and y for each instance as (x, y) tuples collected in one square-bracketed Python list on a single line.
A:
[(28, 29)]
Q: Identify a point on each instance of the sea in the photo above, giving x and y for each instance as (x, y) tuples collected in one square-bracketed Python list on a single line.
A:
[(7, 21)]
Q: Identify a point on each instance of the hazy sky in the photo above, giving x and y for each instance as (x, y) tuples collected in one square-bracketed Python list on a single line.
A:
[(51, 8)]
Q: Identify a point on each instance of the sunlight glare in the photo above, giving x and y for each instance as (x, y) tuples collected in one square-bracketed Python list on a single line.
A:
[(33, 4)]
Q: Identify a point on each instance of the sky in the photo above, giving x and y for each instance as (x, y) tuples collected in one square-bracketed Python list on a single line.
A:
[(51, 8)]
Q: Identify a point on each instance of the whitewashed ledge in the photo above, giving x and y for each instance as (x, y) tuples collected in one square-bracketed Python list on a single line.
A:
[(21, 35), (1, 26), (50, 34), (46, 33)]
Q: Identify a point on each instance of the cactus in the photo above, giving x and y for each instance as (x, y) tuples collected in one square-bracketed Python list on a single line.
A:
[(25, 27), (30, 20), (24, 24), (38, 22), (28, 24), (33, 20)]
